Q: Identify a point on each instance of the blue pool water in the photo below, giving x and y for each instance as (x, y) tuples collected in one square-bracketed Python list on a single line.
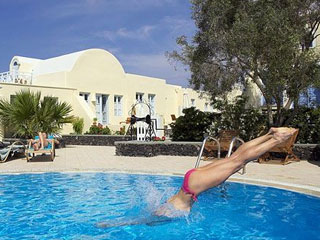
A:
[(68, 206)]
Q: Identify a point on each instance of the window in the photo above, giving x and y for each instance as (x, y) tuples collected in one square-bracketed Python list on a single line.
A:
[(85, 96), (16, 66), (139, 97), (193, 102), (309, 98), (151, 100), (53, 98), (117, 105)]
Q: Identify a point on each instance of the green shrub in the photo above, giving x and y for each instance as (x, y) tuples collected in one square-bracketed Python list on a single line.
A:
[(191, 126), (308, 122), (105, 131), (77, 125), (122, 131), (236, 116), (99, 129), (231, 116), (250, 122)]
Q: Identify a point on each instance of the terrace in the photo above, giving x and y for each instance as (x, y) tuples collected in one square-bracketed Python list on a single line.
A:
[(16, 77)]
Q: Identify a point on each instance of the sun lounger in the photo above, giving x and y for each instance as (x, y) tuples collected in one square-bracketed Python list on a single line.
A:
[(224, 138), (11, 150), (50, 149), (285, 149)]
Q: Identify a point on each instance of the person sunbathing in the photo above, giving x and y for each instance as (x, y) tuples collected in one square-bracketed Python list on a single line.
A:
[(211, 175), (40, 141)]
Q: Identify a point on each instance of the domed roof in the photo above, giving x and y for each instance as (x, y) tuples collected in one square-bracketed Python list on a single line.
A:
[(66, 63)]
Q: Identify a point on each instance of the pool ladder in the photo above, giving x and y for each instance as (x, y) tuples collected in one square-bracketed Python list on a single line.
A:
[(219, 150)]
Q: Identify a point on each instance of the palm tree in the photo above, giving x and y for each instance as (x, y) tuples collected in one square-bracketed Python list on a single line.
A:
[(27, 114)]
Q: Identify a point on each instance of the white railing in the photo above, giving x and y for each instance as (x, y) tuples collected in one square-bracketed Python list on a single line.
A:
[(5, 77), (16, 77)]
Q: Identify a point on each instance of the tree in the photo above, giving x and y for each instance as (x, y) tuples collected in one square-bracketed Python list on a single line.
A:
[(27, 114), (267, 42), (236, 115)]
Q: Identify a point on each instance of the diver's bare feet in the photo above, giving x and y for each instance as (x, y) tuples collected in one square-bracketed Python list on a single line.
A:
[(282, 134), (272, 130)]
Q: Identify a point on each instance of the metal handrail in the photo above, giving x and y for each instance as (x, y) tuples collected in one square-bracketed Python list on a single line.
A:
[(230, 151), (231, 144), (219, 150), (202, 147)]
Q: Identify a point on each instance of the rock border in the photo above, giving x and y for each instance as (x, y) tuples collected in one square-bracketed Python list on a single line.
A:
[(310, 152)]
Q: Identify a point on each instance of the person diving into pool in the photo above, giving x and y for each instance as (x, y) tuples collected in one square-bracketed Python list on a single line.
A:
[(211, 175)]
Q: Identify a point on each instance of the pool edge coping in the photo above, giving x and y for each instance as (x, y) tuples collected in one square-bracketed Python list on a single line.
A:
[(300, 188)]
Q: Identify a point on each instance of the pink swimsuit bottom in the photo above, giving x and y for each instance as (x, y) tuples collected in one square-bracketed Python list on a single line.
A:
[(185, 185)]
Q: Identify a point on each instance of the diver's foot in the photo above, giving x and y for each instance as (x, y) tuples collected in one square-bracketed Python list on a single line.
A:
[(283, 134), (272, 131)]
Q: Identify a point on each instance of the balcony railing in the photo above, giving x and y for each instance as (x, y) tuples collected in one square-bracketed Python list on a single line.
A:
[(16, 77)]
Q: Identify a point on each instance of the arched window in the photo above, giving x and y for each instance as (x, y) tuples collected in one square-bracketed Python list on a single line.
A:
[(16, 65)]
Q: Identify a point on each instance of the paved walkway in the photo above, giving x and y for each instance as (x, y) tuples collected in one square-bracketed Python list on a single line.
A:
[(301, 176)]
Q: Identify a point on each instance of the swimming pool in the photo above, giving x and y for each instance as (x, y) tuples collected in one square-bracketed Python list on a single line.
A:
[(68, 206)]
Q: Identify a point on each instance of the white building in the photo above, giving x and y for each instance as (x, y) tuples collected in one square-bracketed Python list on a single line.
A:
[(94, 82)]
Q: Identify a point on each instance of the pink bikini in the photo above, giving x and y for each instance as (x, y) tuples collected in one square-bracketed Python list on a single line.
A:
[(185, 185)]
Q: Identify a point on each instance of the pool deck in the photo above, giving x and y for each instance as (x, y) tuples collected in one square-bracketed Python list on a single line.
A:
[(300, 176)]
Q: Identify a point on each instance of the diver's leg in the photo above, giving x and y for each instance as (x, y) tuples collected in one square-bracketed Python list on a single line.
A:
[(204, 179), (242, 148), (280, 134)]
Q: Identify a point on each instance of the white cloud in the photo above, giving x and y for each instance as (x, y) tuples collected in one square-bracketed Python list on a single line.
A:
[(173, 26), (140, 33), (108, 35), (178, 24)]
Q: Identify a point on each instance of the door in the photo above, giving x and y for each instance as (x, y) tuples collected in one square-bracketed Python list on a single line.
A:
[(99, 108), (104, 108)]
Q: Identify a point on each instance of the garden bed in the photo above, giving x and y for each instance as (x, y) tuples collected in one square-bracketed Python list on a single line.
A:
[(94, 140), (310, 152)]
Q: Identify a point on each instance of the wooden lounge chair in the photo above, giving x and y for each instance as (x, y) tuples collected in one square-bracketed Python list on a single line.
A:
[(285, 148), (50, 149), (11, 150), (225, 137)]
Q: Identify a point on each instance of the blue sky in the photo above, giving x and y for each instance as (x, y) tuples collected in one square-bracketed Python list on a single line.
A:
[(137, 32)]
